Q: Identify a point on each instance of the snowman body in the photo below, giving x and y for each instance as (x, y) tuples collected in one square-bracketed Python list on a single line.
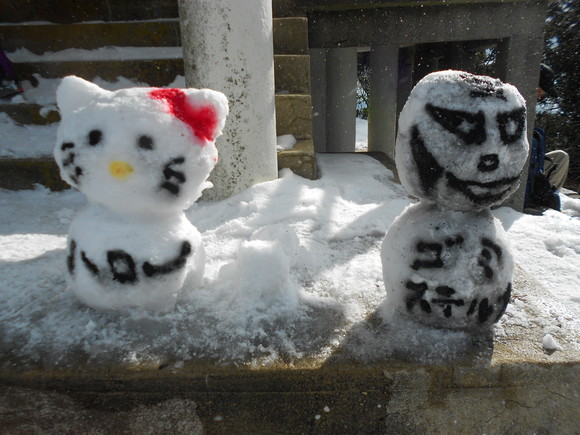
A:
[(447, 268), (460, 149), (118, 262), (141, 156)]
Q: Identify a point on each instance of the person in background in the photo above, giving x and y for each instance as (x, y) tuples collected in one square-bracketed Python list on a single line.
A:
[(548, 170), (557, 162), (9, 85)]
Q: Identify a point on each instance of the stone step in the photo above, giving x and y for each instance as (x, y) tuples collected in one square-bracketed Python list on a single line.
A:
[(151, 25), (292, 72), (31, 114), (301, 159), (290, 35), (155, 71), (42, 37), (25, 173), (294, 115), (73, 11)]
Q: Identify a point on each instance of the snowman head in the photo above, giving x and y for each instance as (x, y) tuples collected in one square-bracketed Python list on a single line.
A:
[(138, 150), (462, 140)]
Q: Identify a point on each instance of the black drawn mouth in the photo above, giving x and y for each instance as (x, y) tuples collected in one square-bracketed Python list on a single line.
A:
[(482, 192)]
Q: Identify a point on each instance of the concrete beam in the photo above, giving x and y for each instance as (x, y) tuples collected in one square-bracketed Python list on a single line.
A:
[(414, 25), (366, 4), (504, 383)]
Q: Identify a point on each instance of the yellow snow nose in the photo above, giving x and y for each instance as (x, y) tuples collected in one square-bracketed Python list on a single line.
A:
[(120, 170)]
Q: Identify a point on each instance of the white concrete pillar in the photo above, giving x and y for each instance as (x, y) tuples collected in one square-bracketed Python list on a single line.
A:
[(228, 46), (383, 98), (341, 99)]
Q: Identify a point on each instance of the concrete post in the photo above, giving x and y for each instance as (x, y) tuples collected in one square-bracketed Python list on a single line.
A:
[(341, 99), (383, 98), (519, 64), (406, 72), (228, 46), (318, 91)]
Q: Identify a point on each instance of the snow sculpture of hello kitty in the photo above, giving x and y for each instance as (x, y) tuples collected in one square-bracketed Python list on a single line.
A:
[(141, 156), (460, 149)]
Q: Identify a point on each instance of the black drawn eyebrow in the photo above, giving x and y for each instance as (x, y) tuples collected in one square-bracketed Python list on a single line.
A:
[(451, 120)]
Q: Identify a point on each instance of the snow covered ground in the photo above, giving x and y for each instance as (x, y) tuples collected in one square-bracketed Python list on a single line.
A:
[(330, 231)]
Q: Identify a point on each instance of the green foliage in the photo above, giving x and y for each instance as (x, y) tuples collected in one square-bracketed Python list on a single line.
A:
[(363, 85), (560, 116), (485, 61)]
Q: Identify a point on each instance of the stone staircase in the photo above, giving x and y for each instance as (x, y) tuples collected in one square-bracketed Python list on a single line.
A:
[(47, 32)]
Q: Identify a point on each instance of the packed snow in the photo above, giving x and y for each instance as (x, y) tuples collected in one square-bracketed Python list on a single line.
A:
[(460, 148), (293, 269), (461, 141)]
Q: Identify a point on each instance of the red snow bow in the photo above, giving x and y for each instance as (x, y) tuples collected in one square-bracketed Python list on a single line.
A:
[(201, 120)]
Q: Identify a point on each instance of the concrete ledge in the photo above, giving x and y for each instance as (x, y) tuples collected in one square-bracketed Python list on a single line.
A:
[(519, 399), (387, 162), (501, 384)]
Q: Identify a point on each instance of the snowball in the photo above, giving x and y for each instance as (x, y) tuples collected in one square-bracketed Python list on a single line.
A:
[(285, 142), (447, 269), (462, 140), (260, 275), (284, 235), (550, 343)]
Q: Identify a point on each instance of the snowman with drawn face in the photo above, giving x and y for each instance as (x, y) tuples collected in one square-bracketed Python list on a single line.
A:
[(141, 156), (460, 149)]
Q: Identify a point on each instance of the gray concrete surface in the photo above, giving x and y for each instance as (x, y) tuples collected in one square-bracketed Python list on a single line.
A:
[(493, 384)]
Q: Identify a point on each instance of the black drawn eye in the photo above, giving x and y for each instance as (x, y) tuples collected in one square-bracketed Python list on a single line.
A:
[(145, 142), (470, 127), (511, 125), (95, 137)]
